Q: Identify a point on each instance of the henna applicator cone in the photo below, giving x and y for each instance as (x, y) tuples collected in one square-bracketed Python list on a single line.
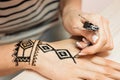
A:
[(91, 27)]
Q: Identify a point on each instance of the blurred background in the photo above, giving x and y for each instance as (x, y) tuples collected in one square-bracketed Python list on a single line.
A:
[(108, 8)]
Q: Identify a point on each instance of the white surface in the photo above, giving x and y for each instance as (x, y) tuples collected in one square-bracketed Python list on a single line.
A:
[(95, 6), (113, 14)]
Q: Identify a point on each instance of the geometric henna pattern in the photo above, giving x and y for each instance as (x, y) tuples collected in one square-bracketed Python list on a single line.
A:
[(24, 45), (61, 53), (28, 44), (35, 57), (45, 48), (36, 54), (64, 54)]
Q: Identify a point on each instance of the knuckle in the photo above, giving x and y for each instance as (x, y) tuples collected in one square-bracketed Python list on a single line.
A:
[(104, 39), (106, 63), (95, 76), (92, 51), (109, 47), (107, 70)]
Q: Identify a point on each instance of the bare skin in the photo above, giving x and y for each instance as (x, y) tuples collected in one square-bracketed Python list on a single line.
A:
[(49, 65)]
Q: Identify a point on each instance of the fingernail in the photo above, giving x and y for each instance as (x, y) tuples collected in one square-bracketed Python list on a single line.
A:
[(79, 45), (82, 54), (95, 38), (84, 40)]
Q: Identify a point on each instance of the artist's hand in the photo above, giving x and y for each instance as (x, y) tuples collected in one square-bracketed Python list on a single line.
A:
[(64, 68), (101, 40)]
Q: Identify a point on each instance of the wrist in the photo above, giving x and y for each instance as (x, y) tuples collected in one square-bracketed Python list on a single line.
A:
[(44, 60)]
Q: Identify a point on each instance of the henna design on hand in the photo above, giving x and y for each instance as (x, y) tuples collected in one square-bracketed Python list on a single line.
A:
[(27, 51), (36, 53), (61, 53), (23, 51)]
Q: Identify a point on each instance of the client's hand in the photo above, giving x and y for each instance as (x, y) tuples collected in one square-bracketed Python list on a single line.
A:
[(56, 61)]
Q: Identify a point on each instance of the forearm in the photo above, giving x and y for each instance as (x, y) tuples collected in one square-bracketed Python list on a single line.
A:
[(7, 64), (70, 5), (17, 56), (37, 56)]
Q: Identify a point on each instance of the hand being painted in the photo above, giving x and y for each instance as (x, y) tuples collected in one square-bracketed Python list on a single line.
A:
[(73, 21), (89, 67)]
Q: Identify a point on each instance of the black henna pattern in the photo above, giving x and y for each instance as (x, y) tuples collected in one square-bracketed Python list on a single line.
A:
[(21, 54), (24, 45), (36, 54), (61, 53)]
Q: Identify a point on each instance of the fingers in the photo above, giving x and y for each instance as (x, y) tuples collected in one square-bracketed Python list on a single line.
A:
[(100, 43), (104, 69), (85, 74), (78, 79), (106, 62), (87, 34), (112, 68), (81, 44), (78, 30), (109, 44)]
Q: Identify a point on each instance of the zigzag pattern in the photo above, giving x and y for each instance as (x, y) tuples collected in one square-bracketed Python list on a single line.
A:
[(61, 53), (35, 56), (22, 59), (16, 52)]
